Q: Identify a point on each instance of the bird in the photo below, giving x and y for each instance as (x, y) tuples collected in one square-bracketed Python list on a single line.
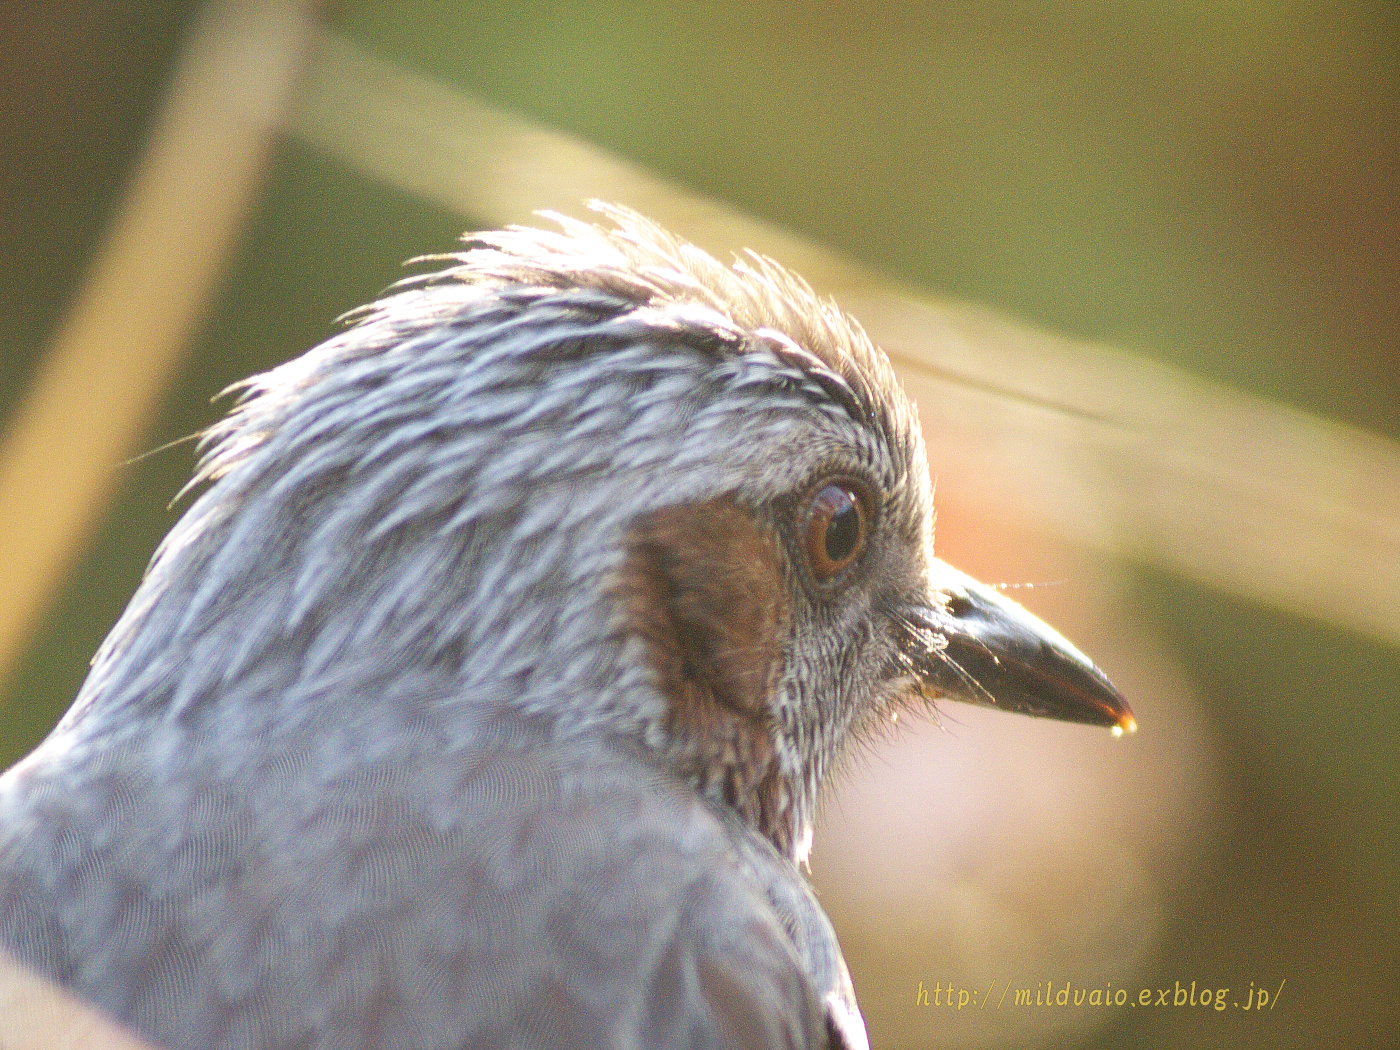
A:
[(484, 694)]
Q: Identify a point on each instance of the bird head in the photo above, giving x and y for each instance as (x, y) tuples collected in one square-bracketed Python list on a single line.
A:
[(595, 479)]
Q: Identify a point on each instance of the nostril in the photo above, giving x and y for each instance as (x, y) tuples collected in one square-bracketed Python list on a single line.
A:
[(958, 605)]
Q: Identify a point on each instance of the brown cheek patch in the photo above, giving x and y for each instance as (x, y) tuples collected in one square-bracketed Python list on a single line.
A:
[(703, 588), (708, 596)]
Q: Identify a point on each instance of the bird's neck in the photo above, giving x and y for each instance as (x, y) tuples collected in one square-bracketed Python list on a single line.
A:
[(738, 763)]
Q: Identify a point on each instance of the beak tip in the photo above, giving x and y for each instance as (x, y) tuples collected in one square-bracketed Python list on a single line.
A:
[(1125, 726)]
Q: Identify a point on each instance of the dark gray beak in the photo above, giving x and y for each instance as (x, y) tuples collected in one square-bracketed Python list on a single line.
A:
[(972, 643)]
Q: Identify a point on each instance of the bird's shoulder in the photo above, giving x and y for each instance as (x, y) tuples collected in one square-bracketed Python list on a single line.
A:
[(631, 875), (508, 894)]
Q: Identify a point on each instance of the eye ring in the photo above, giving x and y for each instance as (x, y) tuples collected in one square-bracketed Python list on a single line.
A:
[(838, 525)]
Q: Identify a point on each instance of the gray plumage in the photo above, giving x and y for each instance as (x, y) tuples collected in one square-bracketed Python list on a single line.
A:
[(420, 732)]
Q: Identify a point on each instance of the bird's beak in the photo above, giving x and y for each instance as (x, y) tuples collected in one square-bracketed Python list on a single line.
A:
[(970, 642)]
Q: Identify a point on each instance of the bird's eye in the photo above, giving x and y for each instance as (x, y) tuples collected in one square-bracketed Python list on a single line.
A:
[(836, 529)]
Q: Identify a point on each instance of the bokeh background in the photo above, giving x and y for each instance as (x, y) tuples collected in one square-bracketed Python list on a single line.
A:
[(1140, 263)]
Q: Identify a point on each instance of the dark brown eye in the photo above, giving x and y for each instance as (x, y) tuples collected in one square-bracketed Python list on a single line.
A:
[(836, 528)]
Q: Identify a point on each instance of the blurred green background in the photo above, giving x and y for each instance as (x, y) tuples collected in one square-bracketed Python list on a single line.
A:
[(1213, 185)]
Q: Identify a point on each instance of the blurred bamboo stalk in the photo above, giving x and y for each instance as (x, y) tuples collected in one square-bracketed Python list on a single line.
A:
[(148, 290), (1105, 447), (36, 1014)]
